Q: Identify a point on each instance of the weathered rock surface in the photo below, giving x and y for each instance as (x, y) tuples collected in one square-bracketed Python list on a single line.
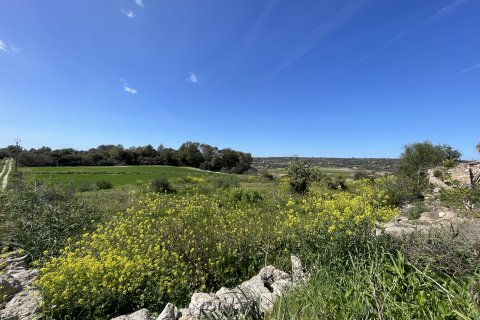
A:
[(21, 299), (142, 314), (463, 174), (170, 312), (265, 287), (23, 306)]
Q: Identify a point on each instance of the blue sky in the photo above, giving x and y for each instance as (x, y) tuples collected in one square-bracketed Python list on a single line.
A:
[(344, 78)]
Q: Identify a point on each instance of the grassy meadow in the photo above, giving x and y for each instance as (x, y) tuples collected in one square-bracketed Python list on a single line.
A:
[(160, 233), (117, 175)]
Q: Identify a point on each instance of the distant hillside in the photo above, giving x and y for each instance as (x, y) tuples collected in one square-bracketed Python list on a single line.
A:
[(373, 164)]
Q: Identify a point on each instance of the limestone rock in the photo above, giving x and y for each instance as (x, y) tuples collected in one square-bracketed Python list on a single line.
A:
[(9, 285), (203, 303), (23, 306), (142, 314), (170, 312)]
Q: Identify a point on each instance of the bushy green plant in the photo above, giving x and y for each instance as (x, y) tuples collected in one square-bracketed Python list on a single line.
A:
[(266, 175), (299, 175), (161, 185), (416, 210), (361, 174), (437, 173), (446, 251), (43, 218), (224, 181), (461, 198), (336, 183), (104, 185), (246, 195)]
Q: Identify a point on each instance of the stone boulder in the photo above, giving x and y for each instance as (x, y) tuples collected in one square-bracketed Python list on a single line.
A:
[(142, 314)]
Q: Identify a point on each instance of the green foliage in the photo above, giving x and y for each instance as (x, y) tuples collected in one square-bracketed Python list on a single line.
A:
[(104, 185), (336, 183), (382, 286), (415, 211), (460, 197), (266, 175), (361, 174), (85, 187), (417, 158), (398, 189), (161, 185), (438, 174), (299, 175), (224, 181), (246, 195), (164, 247), (42, 219), (445, 251)]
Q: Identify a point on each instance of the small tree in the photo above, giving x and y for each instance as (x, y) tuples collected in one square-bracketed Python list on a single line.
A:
[(300, 175), (417, 158)]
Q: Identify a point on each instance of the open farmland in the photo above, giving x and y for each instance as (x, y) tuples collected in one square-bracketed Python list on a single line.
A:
[(118, 175)]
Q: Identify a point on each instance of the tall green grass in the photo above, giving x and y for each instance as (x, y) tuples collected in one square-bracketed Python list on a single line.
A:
[(383, 286)]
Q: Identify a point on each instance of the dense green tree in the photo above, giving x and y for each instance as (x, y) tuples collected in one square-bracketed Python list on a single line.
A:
[(417, 158), (190, 155), (299, 175)]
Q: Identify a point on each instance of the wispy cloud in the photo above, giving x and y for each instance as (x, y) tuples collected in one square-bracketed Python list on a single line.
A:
[(127, 88), (255, 30), (192, 77), (456, 74), (14, 48), (139, 3), (128, 13), (439, 14), (312, 39), (3, 47)]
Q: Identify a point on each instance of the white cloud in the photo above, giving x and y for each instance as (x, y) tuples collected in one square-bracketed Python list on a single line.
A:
[(139, 3), (128, 13), (192, 77), (127, 88), (14, 48), (3, 47)]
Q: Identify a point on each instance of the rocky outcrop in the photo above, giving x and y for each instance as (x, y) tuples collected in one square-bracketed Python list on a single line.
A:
[(258, 294), (19, 299), (463, 174)]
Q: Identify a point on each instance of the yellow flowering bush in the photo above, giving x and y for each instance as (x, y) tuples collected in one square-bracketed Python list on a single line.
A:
[(164, 247)]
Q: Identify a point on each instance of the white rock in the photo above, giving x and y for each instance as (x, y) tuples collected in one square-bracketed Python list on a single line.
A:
[(23, 306), (170, 312), (142, 314)]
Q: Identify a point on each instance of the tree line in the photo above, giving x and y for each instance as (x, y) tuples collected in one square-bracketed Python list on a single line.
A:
[(190, 154)]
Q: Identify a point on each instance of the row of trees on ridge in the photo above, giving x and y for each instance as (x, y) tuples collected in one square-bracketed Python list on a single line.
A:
[(190, 154)]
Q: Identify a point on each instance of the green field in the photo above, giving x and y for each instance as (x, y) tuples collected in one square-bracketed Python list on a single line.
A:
[(118, 176), (344, 172)]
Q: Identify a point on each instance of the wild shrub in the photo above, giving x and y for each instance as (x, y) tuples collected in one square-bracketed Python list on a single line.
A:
[(246, 195), (224, 181), (416, 210), (446, 251), (161, 185), (466, 198), (104, 185), (299, 176), (43, 218)]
